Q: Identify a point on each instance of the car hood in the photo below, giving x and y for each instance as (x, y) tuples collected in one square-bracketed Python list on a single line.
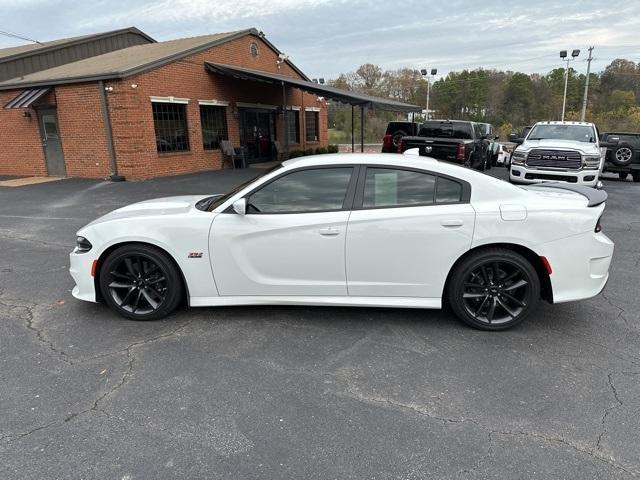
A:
[(152, 208), (582, 147)]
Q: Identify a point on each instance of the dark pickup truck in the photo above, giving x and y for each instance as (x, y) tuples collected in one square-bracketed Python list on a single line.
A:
[(451, 140)]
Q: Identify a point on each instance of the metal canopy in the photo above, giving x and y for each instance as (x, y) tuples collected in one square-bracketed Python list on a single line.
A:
[(344, 96), (28, 97)]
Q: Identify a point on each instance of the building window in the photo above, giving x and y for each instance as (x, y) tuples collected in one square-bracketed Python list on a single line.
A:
[(170, 122), (312, 124), (214, 126), (293, 126)]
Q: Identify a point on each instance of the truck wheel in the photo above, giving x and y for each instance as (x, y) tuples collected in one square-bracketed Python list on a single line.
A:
[(622, 155)]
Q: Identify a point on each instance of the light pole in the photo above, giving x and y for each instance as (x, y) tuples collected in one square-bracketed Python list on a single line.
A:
[(425, 74), (565, 58)]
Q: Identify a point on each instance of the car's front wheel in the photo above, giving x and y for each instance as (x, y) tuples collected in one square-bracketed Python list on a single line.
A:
[(140, 282), (493, 289)]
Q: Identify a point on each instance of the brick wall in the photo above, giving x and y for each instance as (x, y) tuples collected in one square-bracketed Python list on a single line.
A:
[(83, 135), (131, 110), (20, 143)]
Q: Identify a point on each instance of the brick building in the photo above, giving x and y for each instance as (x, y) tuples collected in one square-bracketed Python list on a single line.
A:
[(119, 103)]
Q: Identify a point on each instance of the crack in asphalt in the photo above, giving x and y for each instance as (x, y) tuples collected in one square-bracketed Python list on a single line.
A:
[(608, 411), (24, 310), (421, 410), (621, 311), (95, 407)]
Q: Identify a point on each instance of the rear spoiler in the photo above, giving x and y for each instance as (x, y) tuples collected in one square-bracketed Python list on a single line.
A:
[(595, 197)]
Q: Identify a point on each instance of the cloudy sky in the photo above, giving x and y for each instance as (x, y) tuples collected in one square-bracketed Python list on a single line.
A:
[(326, 37)]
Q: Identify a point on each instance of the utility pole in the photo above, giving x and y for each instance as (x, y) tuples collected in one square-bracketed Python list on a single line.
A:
[(586, 86)]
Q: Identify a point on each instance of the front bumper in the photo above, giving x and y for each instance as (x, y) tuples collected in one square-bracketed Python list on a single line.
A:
[(528, 175), (580, 265), (80, 265)]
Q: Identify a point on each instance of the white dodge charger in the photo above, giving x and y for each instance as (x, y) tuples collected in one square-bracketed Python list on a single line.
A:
[(379, 230)]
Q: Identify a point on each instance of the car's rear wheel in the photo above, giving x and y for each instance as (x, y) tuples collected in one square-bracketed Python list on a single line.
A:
[(140, 282), (493, 289)]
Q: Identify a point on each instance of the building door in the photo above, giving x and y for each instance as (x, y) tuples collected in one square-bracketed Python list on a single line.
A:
[(257, 133), (54, 157)]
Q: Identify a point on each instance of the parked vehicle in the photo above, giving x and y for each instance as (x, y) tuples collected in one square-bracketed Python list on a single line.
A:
[(395, 132), (456, 141), (503, 156), (558, 151), (351, 230), (516, 137), (490, 133), (623, 154)]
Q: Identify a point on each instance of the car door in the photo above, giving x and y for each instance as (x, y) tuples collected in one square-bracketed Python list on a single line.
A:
[(291, 241), (405, 232)]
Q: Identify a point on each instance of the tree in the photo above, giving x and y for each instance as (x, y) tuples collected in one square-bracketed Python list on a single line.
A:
[(369, 76)]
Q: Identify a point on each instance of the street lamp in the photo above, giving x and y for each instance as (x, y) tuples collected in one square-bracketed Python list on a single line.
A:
[(428, 76), (565, 58)]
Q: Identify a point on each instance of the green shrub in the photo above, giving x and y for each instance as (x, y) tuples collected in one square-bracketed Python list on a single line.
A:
[(295, 153), (309, 151), (321, 150), (332, 149)]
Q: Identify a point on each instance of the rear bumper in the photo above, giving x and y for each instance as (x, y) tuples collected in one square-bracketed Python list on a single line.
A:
[(528, 175), (80, 269), (580, 265)]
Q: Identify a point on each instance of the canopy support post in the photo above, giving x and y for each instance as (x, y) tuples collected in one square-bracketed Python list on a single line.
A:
[(353, 140), (362, 128), (285, 125)]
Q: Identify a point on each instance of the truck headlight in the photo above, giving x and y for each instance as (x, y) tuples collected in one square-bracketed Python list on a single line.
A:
[(592, 162), (83, 245), (518, 158)]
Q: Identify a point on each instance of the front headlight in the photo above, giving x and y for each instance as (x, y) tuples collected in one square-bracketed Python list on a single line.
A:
[(518, 158), (83, 245), (592, 162)]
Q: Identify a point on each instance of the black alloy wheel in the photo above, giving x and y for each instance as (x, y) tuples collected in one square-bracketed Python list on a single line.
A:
[(622, 155), (140, 282), (494, 289)]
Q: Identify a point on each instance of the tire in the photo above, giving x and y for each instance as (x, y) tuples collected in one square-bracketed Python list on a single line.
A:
[(397, 137), (636, 175), (622, 155), (622, 175), (141, 282), (481, 302)]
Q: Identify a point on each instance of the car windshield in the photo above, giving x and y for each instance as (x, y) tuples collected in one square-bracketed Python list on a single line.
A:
[(211, 203), (576, 133), (446, 130)]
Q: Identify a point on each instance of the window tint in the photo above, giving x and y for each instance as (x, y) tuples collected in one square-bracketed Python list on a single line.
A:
[(170, 122), (386, 187), (446, 130), (316, 190), (214, 126), (448, 191)]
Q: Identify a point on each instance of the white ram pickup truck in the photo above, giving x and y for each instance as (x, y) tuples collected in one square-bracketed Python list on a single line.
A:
[(558, 152)]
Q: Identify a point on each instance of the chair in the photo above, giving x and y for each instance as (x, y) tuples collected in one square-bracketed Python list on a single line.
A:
[(233, 156)]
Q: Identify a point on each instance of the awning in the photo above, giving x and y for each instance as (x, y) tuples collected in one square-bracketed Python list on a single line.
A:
[(26, 98), (344, 96)]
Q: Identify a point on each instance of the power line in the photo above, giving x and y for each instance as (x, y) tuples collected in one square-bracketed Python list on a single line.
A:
[(19, 37)]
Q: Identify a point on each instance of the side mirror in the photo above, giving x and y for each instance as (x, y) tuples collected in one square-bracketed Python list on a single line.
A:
[(240, 206)]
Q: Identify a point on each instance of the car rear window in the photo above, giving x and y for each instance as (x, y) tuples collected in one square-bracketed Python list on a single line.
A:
[(446, 130)]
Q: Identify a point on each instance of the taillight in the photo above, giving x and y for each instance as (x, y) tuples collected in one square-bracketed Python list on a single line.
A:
[(460, 153), (598, 228), (387, 141)]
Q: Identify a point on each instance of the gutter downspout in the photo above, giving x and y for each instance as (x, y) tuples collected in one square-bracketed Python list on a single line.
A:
[(106, 119)]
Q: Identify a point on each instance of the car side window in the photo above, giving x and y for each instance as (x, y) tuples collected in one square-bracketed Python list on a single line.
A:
[(448, 191), (387, 187), (311, 190)]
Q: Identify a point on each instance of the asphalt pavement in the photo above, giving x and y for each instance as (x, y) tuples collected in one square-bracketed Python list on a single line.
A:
[(302, 392)]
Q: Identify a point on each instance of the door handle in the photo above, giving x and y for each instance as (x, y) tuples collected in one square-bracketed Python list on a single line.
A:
[(329, 231), (451, 222)]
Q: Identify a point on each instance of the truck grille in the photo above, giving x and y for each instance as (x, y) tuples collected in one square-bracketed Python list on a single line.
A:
[(566, 159)]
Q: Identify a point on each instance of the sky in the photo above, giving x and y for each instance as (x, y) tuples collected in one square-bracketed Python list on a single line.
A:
[(327, 37)]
